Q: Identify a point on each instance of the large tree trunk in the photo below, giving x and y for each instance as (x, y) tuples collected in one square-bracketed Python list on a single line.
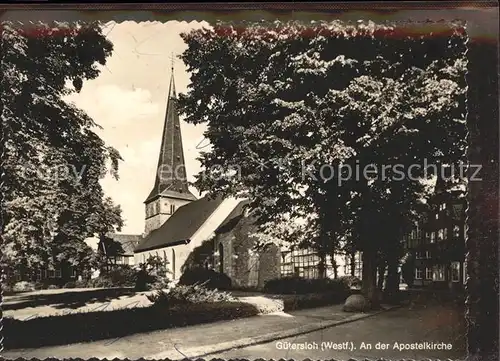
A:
[(322, 265), (391, 291), (369, 281), (334, 266), (353, 263), (381, 275)]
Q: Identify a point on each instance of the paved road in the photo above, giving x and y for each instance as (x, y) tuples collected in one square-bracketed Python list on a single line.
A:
[(405, 326)]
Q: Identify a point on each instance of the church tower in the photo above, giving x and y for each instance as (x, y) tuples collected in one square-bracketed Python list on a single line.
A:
[(170, 190)]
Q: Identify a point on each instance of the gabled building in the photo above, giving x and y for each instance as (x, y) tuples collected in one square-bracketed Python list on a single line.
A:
[(437, 244), (128, 244)]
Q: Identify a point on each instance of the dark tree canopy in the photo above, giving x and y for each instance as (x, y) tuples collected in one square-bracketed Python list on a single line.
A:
[(53, 159)]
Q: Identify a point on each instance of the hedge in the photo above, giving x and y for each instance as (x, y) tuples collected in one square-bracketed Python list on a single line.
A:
[(298, 285), (208, 278), (92, 326), (300, 302)]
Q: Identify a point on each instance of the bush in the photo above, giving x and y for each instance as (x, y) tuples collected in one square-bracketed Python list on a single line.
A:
[(312, 300), (183, 295), (70, 284), (100, 282), (52, 287), (351, 281), (208, 278), (82, 283), (298, 285), (122, 276), (23, 286), (99, 325), (152, 275)]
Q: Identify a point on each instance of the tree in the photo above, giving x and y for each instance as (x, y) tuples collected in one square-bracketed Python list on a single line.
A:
[(52, 158), (285, 102)]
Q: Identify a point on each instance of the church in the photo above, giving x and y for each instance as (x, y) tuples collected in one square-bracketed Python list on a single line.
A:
[(185, 231)]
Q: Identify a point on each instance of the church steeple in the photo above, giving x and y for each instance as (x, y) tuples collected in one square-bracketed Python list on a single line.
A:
[(170, 188)]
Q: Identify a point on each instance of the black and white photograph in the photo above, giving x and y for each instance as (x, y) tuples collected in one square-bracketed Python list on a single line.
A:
[(252, 189)]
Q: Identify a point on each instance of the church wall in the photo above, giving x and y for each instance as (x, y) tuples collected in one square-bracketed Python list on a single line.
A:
[(242, 264), (270, 265)]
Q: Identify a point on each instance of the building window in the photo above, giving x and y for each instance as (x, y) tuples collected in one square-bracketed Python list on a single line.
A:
[(438, 273), (440, 236), (456, 231), (455, 271), (73, 272), (433, 237), (428, 273), (418, 273), (51, 273), (39, 274), (172, 208), (445, 234), (442, 207), (437, 215), (58, 273)]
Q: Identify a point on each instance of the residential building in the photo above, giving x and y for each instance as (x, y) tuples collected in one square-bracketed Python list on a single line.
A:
[(437, 242)]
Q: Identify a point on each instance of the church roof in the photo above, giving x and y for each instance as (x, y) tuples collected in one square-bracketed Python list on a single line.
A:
[(181, 226), (128, 241), (171, 175)]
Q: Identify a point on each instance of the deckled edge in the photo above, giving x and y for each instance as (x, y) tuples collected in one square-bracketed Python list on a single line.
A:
[(196, 19)]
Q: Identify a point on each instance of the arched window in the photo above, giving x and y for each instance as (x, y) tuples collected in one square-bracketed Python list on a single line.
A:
[(221, 258), (173, 263)]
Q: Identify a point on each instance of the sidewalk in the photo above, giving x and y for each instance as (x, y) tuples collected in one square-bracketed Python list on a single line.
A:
[(195, 341)]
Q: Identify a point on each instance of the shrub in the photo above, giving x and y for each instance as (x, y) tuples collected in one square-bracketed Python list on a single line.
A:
[(100, 282), (183, 295), (82, 283), (23, 286), (122, 276), (208, 278), (152, 275), (298, 285), (52, 287), (70, 284), (41, 286), (350, 281), (312, 300)]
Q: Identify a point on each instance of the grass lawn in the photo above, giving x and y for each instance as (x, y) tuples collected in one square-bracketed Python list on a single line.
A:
[(42, 303)]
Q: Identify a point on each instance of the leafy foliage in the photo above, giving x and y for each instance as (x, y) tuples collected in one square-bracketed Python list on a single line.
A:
[(287, 102), (298, 285), (52, 157)]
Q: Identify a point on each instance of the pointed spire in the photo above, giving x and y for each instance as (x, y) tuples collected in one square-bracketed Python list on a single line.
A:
[(171, 178), (171, 90)]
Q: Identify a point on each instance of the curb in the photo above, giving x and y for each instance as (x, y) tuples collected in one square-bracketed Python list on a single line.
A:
[(207, 350)]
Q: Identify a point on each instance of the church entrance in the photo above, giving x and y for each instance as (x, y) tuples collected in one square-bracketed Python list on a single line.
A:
[(221, 258)]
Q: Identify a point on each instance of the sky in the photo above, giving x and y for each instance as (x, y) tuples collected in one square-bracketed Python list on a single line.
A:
[(128, 100)]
